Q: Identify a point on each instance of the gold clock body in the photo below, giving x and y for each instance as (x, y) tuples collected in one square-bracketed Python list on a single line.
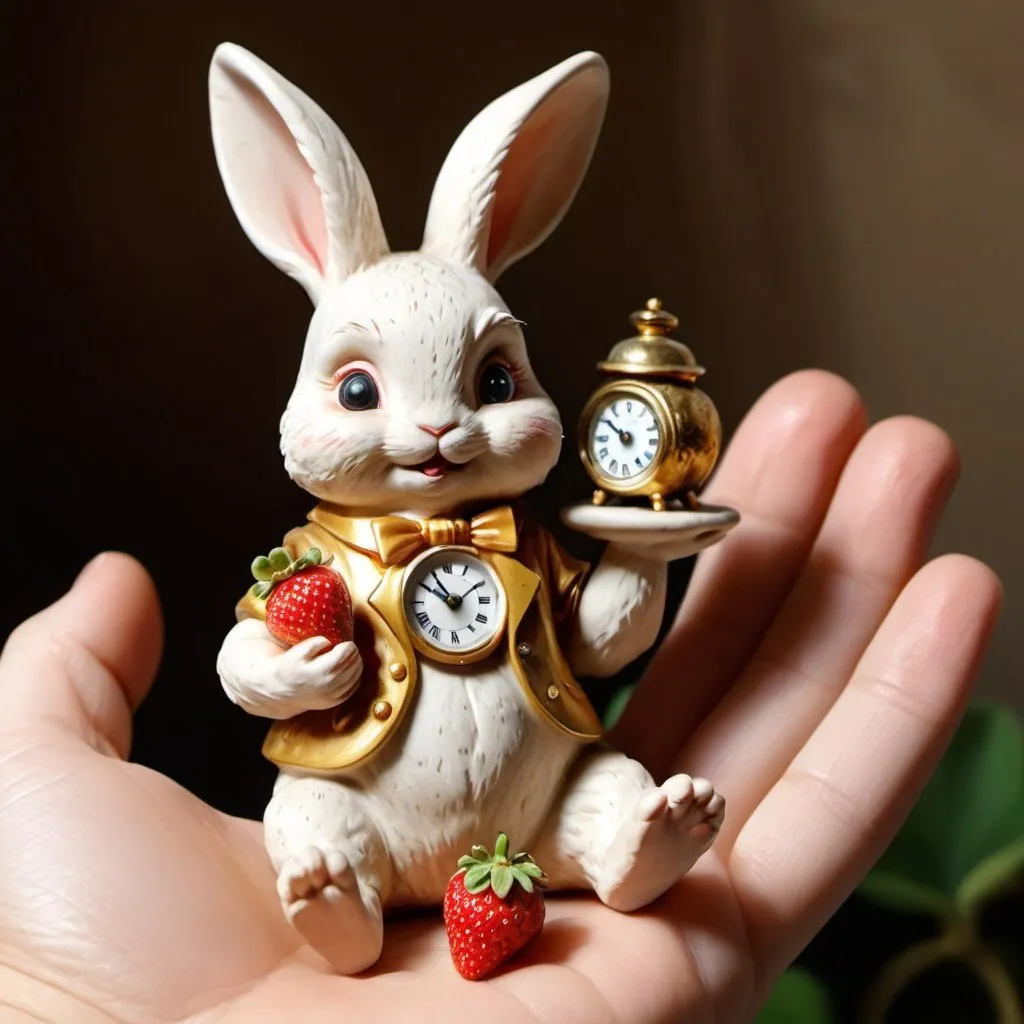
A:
[(661, 372), (690, 437)]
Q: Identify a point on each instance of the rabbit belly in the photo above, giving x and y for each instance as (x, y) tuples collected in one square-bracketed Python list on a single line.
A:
[(471, 759)]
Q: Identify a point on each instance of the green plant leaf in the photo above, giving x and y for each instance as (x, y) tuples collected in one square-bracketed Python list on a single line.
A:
[(481, 853), (969, 815), (477, 878), (798, 998), (613, 712), (501, 846), (501, 880), (522, 878), (991, 876), (261, 568), (897, 892), (531, 869), (279, 559), (466, 861)]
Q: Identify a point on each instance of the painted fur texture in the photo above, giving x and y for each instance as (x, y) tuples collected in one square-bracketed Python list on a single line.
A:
[(426, 329)]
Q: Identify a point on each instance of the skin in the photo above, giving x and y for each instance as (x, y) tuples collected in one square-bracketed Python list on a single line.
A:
[(826, 668)]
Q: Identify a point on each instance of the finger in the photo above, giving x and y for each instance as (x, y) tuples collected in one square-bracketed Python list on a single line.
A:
[(86, 662), (875, 536), (844, 795), (310, 647), (780, 473)]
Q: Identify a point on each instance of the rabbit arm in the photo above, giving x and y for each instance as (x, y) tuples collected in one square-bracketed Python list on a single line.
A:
[(619, 612), (266, 680)]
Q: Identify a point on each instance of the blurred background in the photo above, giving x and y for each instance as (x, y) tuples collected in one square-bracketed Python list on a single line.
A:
[(834, 185)]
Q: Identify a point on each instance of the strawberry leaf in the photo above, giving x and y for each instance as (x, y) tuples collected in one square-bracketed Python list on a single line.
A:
[(467, 861), (501, 880), (501, 847), (522, 878), (261, 568), (531, 869), (477, 878), (480, 853), (279, 559), (261, 590)]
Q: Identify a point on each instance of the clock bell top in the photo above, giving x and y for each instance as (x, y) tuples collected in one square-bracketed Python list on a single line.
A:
[(650, 353)]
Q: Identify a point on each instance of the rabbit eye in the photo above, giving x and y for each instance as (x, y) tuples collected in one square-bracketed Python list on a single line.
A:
[(496, 384), (358, 392)]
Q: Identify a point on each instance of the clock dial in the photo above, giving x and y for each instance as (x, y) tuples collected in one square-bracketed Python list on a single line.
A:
[(454, 603), (624, 438)]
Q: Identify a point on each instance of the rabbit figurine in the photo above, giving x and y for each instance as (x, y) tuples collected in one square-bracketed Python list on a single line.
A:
[(416, 421)]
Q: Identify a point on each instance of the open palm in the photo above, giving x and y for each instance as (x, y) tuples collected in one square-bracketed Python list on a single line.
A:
[(815, 674)]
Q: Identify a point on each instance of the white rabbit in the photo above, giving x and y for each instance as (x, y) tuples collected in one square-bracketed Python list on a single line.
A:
[(415, 398)]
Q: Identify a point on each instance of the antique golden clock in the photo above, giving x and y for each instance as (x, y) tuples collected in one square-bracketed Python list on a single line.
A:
[(648, 431)]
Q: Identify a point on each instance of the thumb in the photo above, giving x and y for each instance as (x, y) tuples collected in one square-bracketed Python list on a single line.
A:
[(84, 664)]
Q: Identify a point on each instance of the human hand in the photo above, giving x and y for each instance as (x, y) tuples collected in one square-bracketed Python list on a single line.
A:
[(815, 674)]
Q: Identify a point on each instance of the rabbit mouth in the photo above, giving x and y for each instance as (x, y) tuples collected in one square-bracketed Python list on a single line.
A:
[(436, 466)]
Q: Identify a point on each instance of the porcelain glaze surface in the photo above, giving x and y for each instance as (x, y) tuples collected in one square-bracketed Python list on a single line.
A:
[(475, 749)]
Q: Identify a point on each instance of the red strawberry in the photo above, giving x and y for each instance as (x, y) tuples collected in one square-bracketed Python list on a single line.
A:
[(493, 907), (304, 597)]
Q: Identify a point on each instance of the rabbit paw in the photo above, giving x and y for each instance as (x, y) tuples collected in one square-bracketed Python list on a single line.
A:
[(669, 828), (321, 898)]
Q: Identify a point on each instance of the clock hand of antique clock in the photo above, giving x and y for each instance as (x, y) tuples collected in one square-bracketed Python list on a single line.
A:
[(615, 428), (472, 588), (624, 435), (440, 584), (437, 593)]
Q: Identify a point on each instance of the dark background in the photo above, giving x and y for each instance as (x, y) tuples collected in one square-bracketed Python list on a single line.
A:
[(802, 183)]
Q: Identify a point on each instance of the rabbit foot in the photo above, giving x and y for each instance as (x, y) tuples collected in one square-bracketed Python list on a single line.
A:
[(322, 900), (668, 829)]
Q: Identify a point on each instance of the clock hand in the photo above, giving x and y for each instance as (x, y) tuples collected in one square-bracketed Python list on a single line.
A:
[(435, 592), (439, 583), (472, 588), (624, 435)]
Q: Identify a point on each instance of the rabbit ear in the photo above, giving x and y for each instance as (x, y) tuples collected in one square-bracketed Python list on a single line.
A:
[(515, 169), (296, 185)]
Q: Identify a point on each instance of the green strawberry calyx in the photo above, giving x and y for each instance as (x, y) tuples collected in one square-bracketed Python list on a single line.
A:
[(501, 870), (271, 569)]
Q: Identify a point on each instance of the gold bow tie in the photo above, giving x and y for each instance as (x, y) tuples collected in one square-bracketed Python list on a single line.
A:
[(399, 538)]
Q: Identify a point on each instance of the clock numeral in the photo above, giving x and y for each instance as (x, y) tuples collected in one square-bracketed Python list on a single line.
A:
[(448, 568), (629, 407), (625, 469), (638, 462), (613, 465), (455, 637), (435, 632), (481, 617), (648, 456), (417, 602), (484, 599), (602, 453), (471, 627), (615, 412), (601, 438), (423, 619), (465, 569)]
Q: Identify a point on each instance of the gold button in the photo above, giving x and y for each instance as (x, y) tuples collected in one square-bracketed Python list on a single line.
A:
[(382, 710), (552, 692), (523, 649), (397, 671)]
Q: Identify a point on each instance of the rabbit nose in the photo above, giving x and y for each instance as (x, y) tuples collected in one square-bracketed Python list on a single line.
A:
[(438, 431)]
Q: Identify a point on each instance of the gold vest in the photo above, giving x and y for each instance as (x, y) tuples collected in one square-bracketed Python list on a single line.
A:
[(542, 584)]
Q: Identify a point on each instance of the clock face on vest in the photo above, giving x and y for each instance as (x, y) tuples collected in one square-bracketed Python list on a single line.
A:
[(454, 604)]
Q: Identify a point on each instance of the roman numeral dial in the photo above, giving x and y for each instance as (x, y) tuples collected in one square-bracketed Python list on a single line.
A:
[(624, 439), (454, 605)]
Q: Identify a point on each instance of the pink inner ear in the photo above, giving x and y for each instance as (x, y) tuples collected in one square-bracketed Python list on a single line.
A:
[(289, 213), (541, 172)]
